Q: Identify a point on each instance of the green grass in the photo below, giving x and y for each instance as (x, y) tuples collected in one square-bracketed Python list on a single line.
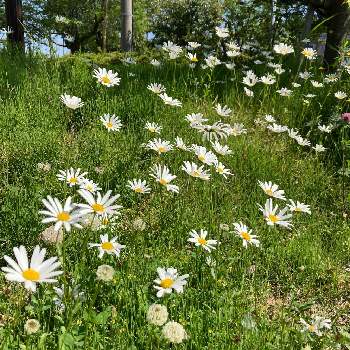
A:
[(297, 273)]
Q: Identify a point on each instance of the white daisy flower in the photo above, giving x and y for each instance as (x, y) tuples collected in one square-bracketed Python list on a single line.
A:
[(309, 53), (195, 118), (206, 157), (212, 61), (193, 45), (272, 190), (71, 177), (293, 134), (215, 131), (283, 49), (90, 186), (331, 78), (221, 149), (277, 128), (222, 170), (111, 122), (37, 271), (109, 246), (195, 171), (230, 65), (325, 128), (106, 78), (139, 186), (305, 75), (192, 57), (316, 84), (302, 142), (169, 280), (274, 217), (269, 118), (284, 92), (170, 101), (299, 207), (180, 144), (268, 79), (223, 111), (319, 148), (72, 102), (232, 46), (233, 53), (99, 205), (61, 215), (236, 130), (296, 85), (156, 88), (153, 127), (316, 325), (172, 49), (164, 177), (199, 239), (248, 92), (279, 70), (250, 79), (222, 32), (155, 63), (340, 95), (246, 235), (159, 146)]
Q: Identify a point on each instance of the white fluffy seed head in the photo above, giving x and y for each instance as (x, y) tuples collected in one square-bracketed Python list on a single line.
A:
[(157, 314), (32, 326), (105, 273), (174, 332)]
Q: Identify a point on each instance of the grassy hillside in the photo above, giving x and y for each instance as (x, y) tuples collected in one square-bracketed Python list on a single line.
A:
[(240, 298)]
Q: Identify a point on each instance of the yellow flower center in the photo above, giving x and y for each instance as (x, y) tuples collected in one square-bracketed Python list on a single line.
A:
[(161, 149), (220, 169), (194, 59), (90, 188), (31, 275), (311, 328), (195, 173), (245, 236), (201, 157), (63, 216), (308, 53), (151, 129), (166, 283), (297, 209), (109, 125), (98, 208), (107, 246), (105, 221), (138, 190), (273, 218), (269, 192), (105, 79), (163, 181), (73, 180), (202, 241)]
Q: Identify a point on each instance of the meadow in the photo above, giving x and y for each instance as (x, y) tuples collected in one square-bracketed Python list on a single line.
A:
[(286, 288)]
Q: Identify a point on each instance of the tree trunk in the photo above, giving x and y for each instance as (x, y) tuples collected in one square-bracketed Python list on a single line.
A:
[(337, 13), (308, 22), (273, 21), (337, 29), (126, 32), (104, 24), (14, 20)]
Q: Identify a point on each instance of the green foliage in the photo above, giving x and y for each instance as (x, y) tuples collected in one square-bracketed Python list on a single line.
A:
[(251, 299), (184, 20)]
